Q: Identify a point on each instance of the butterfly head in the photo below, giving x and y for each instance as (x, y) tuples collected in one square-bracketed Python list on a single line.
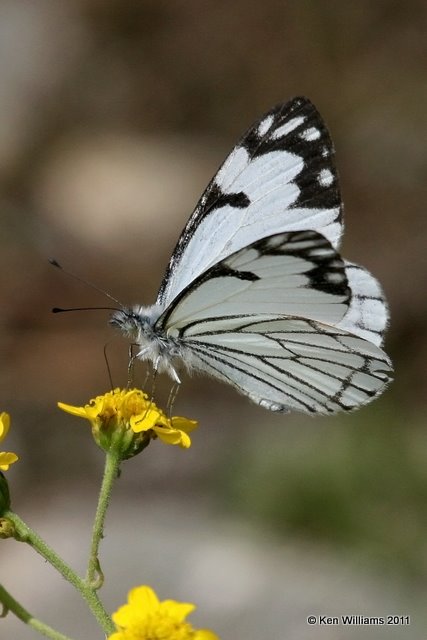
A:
[(136, 322), (139, 325)]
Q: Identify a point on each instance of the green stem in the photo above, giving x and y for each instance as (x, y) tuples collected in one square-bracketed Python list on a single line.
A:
[(94, 576), (10, 604), (25, 534)]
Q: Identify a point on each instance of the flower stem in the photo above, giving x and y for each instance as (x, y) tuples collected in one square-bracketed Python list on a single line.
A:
[(25, 534), (10, 604), (94, 575)]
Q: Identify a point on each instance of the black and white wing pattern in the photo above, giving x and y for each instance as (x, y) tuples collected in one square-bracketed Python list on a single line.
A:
[(266, 320), (280, 177), (288, 363), (367, 315), (256, 293), (294, 273)]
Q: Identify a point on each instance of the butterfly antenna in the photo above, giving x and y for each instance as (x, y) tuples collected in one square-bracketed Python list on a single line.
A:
[(56, 264), (64, 310)]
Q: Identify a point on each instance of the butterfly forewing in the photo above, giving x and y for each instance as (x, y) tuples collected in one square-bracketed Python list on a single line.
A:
[(280, 177), (294, 273)]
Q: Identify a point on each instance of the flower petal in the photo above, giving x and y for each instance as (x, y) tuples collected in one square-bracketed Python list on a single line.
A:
[(144, 617), (142, 602), (177, 610), (80, 412), (205, 634), (144, 598), (144, 421), (123, 616), (6, 459), (4, 424), (184, 424), (93, 409), (173, 436)]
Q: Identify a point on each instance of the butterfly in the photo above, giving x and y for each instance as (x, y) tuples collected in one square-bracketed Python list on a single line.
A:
[(256, 294)]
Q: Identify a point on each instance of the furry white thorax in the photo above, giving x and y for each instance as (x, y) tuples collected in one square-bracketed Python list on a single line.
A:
[(138, 324)]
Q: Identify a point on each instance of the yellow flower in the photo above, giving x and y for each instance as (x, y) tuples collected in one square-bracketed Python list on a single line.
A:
[(129, 419), (146, 618), (6, 458)]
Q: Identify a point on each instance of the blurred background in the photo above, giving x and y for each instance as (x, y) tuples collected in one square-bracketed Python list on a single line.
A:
[(113, 117)]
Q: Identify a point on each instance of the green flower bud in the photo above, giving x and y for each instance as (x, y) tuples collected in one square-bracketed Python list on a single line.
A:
[(7, 528)]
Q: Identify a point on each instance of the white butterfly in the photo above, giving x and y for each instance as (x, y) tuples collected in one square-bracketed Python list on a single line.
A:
[(256, 293)]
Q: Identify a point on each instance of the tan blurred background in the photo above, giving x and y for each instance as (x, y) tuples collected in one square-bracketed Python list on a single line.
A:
[(113, 117)]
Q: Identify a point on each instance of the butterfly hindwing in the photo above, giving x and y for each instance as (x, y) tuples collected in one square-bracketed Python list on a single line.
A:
[(288, 363), (367, 315), (280, 177), (267, 321)]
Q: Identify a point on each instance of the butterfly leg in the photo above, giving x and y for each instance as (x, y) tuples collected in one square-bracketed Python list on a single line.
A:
[(173, 374), (110, 377), (172, 397), (131, 364), (153, 383)]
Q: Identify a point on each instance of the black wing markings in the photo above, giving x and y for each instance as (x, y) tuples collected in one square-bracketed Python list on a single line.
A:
[(326, 275), (317, 155), (228, 356)]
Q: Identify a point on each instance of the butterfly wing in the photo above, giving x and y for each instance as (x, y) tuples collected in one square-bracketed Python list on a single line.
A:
[(294, 273), (367, 315), (290, 363), (268, 318), (280, 177)]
